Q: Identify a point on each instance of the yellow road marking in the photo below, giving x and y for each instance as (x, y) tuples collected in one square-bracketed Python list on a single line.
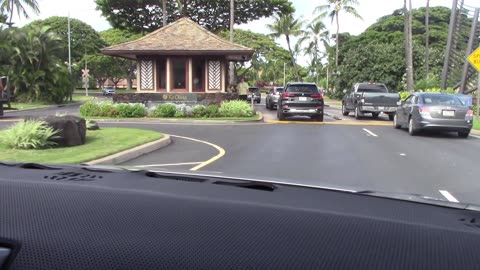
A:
[(221, 152), (346, 123)]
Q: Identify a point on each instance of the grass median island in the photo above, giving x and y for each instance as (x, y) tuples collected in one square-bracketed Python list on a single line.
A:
[(100, 143)]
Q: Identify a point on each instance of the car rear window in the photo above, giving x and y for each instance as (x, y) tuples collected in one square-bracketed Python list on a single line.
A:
[(279, 90), (372, 88), (441, 100), (302, 89)]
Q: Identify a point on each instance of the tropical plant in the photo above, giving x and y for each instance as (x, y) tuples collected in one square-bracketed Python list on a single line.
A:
[(332, 10), (164, 110), (288, 26), (9, 6), (29, 134), (315, 35), (32, 60)]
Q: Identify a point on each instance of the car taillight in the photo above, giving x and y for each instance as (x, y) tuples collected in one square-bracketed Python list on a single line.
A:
[(316, 96), (424, 110), (319, 107), (469, 113), (286, 95)]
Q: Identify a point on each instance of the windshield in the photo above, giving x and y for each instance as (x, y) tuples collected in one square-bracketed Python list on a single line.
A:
[(441, 100), (274, 100), (372, 88), (302, 89)]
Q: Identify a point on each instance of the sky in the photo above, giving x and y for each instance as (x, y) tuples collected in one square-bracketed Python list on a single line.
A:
[(370, 10)]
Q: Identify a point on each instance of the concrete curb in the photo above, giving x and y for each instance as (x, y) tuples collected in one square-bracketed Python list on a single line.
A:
[(156, 120), (46, 108), (132, 153), (475, 132)]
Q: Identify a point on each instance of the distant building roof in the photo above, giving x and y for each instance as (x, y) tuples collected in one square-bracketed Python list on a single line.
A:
[(182, 37)]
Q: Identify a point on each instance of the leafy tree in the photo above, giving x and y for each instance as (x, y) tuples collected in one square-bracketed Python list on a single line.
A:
[(332, 10), (268, 56), (32, 60), (103, 67), (9, 6), (147, 15), (287, 26), (124, 68), (84, 39), (386, 39)]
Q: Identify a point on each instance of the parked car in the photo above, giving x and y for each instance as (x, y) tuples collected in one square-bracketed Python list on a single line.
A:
[(434, 111), (258, 94), (372, 98), (301, 98), (272, 97), (108, 90)]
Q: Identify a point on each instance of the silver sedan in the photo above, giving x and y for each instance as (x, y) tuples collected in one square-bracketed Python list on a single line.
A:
[(434, 111), (273, 95)]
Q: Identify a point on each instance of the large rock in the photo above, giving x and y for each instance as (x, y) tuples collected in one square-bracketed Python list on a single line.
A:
[(72, 129)]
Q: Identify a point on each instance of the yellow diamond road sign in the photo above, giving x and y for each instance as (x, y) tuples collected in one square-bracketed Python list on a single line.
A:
[(474, 59)]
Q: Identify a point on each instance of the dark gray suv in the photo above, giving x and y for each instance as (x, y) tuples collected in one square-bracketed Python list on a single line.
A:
[(301, 99)]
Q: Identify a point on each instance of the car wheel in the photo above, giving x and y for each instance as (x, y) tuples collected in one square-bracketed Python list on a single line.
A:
[(344, 110), (375, 115), (463, 134), (391, 116), (266, 105), (395, 123), (357, 113), (318, 118), (411, 128)]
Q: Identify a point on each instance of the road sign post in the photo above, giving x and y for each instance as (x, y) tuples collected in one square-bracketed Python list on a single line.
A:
[(474, 60), (85, 79)]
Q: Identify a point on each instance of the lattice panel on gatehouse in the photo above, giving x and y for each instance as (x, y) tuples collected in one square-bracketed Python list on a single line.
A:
[(214, 75), (146, 74)]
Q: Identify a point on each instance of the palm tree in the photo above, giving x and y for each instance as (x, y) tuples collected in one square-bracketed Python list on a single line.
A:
[(21, 6), (287, 26), (315, 34), (332, 10)]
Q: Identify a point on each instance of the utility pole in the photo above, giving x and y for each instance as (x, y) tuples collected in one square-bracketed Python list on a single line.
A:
[(284, 72), (231, 70), (164, 12), (427, 39), (69, 47)]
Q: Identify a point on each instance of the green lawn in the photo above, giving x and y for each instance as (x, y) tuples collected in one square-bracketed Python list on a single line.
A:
[(476, 123), (100, 143), (24, 106)]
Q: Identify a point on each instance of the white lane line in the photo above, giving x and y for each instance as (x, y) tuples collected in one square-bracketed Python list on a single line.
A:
[(168, 164), (371, 133), (448, 196)]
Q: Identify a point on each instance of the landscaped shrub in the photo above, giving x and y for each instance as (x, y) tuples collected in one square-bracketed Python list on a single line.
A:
[(235, 108), (211, 110), (29, 134), (165, 110), (89, 108), (131, 110), (199, 111), (107, 109), (404, 94)]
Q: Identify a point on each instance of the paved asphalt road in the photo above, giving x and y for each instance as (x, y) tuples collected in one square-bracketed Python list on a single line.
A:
[(363, 155)]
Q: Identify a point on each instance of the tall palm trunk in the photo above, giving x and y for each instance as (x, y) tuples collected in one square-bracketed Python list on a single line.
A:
[(427, 39), (11, 14), (164, 11), (408, 44), (231, 71), (336, 41), (287, 37)]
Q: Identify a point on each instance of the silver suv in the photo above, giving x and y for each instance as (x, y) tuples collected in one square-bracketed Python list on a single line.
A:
[(301, 98)]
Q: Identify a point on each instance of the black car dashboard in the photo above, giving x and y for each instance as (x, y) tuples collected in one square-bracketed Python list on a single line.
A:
[(79, 217)]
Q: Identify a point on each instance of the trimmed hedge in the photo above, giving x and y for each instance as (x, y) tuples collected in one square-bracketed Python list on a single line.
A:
[(234, 108)]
